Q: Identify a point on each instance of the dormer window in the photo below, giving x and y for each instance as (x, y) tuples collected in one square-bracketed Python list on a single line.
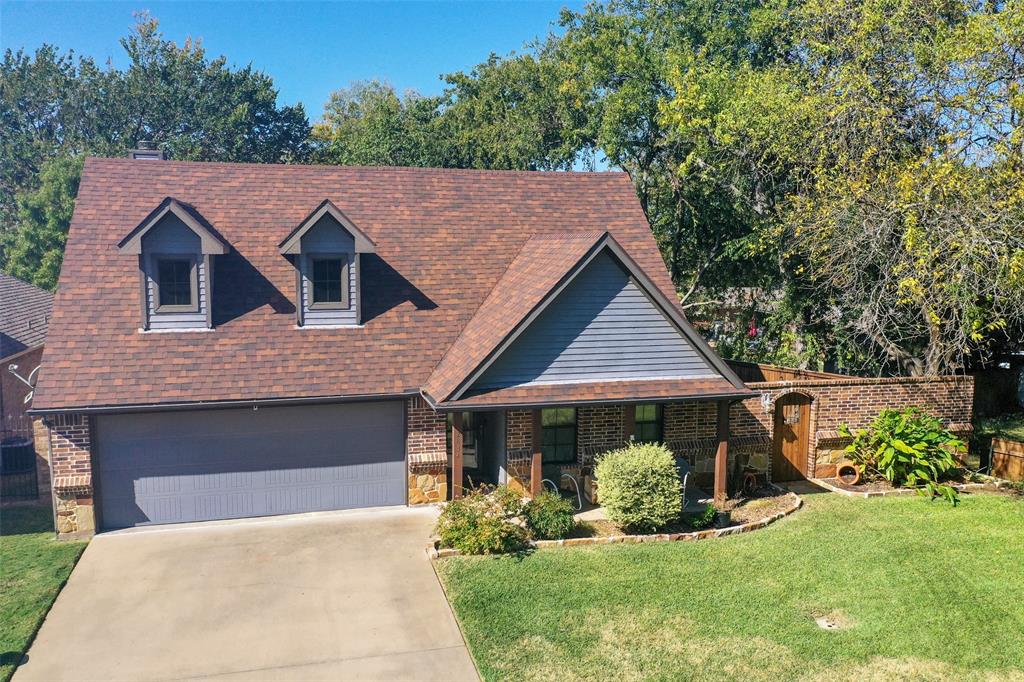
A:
[(176, 284), (330, 279), (325, 249), (175, 247)]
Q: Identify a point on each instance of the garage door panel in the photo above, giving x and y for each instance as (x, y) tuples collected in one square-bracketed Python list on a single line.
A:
[(185, 466)]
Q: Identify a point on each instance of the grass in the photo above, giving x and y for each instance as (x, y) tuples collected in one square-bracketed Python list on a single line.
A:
[(33, 568), (925, 591)]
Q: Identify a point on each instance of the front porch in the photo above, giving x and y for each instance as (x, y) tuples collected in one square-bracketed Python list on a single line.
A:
[(523, 447)]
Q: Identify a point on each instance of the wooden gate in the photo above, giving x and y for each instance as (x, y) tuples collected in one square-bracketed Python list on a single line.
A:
[(791, 437), (1007, 459)]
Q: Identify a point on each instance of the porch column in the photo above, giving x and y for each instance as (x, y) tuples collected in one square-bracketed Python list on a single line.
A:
[(457, 439), (628, 422), (722, 454), (535, 458)]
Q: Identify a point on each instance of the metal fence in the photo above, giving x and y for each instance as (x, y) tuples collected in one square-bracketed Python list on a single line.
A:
[(18, 476)]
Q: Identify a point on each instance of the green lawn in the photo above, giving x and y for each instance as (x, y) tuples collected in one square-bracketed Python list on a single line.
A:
[(926, 592), (33, 568)]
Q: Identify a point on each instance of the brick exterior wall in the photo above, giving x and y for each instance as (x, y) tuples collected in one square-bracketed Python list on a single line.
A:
[(71, 461), (426, 452)]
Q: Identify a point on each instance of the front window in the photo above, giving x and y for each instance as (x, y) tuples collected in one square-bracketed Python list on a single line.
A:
[(558, 435), (175, 283), (648, 424), (327, 284)]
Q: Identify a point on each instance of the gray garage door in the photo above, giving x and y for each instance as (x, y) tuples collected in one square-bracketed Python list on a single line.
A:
[(219, 464)]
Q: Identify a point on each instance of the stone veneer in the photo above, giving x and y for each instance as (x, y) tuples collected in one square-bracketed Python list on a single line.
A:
[(426, 452)]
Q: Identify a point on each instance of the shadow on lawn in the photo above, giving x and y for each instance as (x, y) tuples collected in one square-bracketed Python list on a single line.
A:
[(27, 520)]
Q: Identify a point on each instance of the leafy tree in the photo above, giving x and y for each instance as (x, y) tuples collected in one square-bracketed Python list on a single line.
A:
[(513, 113), (36, 250), (908, 202), (632, 65), (54, 108), (369, 124)]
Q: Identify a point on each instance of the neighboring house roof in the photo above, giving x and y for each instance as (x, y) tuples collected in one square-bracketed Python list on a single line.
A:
[(24, 315), (443, 240)]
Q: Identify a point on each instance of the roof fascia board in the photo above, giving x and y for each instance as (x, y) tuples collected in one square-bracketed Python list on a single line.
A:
[(292, 244), (449, 406), (510, 338), (210, 243), (219, 404)]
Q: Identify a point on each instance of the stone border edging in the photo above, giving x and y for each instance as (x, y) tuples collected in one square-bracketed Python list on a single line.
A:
[(886, 493), (434, 552)]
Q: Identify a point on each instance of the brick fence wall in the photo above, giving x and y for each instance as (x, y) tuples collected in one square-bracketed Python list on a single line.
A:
[(854, 402)]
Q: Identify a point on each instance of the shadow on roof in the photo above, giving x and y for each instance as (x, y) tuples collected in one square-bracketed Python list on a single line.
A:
[(384, 288), (239, 288)]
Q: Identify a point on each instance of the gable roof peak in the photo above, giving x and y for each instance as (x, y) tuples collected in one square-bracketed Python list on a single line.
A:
[(210, 240), (293, 242)]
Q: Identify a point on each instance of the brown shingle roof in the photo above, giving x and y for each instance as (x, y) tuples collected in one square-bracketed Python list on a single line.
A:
[(24, 315), (543, 262), (602, 391), (443, 237)]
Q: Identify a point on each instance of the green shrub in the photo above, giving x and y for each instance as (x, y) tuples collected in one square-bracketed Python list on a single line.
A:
[(549, 516), (481, 522), (908, 448), (639, 487), (701, 520)]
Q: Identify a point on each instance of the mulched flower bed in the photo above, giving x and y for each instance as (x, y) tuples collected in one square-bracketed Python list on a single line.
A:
[(969, 484), (762, 510)]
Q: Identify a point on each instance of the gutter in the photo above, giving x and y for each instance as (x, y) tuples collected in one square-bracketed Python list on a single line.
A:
[(219, 404)]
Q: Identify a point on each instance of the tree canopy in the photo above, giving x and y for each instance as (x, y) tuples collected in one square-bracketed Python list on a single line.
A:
[(56, 107), (853, 167)]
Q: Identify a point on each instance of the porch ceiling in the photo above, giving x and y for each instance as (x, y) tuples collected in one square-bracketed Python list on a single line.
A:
[(541, 395)]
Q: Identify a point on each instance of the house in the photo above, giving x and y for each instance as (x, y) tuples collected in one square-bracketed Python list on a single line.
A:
[(24, 318), (235, 340)]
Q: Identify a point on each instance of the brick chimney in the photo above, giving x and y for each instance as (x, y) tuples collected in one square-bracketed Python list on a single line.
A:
[(146, 150)]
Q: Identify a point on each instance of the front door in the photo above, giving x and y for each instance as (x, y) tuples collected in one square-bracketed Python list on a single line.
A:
[(792, 436)]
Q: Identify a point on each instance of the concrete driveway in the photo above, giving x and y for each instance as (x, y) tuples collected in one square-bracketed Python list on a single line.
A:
[(335, 596)]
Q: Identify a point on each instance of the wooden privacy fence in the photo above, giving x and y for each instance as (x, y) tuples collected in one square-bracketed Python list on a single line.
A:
[(1008, 459)]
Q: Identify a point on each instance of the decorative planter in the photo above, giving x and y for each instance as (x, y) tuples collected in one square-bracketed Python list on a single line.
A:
[(848, 473)]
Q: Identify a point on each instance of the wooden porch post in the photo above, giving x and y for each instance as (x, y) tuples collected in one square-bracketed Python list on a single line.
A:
[(457, 440), (535, 458), (628, 422), (722, 455)]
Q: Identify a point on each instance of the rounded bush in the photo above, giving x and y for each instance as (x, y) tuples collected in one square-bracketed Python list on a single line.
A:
[(639, 487), (549, 516), (481, 522)]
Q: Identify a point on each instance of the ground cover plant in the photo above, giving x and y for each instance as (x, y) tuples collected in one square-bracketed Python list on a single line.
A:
[(33, 568), (918, 591)]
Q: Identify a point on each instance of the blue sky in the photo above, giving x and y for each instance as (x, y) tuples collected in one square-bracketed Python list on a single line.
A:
[(309, 48)]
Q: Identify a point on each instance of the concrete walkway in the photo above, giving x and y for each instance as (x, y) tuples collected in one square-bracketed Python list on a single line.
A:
[(346, 595)]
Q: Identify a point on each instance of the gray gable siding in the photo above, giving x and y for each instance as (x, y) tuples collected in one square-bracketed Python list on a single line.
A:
[(172, 236), (327, 237), (601, 327)]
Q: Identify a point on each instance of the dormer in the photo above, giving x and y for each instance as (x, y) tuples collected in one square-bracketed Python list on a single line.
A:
[(175, 246), (325, 250)]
